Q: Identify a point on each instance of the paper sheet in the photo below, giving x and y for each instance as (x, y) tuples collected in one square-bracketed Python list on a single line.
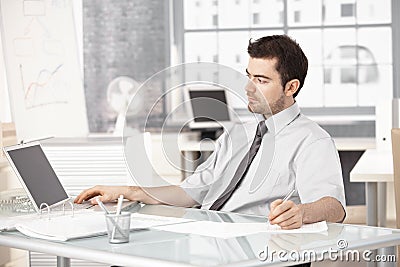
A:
[(228, 230)]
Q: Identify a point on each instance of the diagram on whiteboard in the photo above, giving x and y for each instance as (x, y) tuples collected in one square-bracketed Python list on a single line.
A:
[(46, 88), (42, 65)]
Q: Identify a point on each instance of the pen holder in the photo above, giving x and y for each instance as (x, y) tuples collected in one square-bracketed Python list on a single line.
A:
[(118, 227)]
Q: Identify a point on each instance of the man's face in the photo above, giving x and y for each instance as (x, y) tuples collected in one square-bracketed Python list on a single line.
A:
[(264, 89)]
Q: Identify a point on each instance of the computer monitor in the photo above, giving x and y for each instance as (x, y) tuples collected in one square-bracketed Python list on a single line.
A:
[(209, 107)]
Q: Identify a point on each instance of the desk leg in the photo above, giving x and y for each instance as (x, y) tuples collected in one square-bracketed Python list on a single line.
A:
[(371, 199), (372, 256), (388, 252), (381, 200), (63, 262), (183, 165)]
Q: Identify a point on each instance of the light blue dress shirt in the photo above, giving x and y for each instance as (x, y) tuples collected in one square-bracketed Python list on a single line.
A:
[(295, 153)]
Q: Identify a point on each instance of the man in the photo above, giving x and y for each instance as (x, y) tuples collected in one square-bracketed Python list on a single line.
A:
[(288, 152)]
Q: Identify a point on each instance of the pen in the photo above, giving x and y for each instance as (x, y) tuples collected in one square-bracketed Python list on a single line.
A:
[(101, 205), (119, 205), (286, 198), (289, 195)]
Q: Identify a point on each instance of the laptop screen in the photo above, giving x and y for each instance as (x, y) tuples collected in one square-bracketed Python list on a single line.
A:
[(208, 104), (209, 107), (37, 174)]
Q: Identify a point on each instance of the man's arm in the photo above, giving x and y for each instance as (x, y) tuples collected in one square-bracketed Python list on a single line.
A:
[(170, 195), (288, 215), (326, 209)]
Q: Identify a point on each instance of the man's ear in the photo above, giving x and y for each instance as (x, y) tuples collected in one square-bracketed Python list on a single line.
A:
[(291, 87)]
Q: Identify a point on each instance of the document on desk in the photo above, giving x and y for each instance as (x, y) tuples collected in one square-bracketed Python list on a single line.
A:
[(229, 230), (84, 224)]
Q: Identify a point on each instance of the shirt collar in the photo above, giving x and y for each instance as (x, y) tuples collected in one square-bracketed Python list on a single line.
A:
[(277, 122)]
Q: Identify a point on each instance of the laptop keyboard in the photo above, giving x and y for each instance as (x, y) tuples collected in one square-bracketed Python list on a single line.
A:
[(67, 206), (82, 206)]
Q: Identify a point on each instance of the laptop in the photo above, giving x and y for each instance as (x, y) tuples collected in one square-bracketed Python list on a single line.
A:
[(209, 107), (40, 181)]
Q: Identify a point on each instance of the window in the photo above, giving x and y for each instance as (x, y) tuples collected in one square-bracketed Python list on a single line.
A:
[(238, 61), (136, 48), (347, 10), (215, 58), (297, 16), (348, 44), (256, 18), (215, 20)]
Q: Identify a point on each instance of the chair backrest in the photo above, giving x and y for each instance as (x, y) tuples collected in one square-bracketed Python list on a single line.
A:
[(396, 171)]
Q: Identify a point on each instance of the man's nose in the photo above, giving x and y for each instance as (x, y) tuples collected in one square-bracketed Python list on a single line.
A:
[(250, 87)]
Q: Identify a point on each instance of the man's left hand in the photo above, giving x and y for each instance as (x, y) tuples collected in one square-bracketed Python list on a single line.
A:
[(286, 214)]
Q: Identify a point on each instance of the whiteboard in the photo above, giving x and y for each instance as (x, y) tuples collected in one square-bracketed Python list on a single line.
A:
[(42, 68)]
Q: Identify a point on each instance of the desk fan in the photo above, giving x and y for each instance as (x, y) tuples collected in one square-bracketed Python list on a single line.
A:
[(119, 93)]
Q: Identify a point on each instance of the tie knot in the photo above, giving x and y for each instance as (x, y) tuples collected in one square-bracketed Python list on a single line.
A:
[(261, 129)]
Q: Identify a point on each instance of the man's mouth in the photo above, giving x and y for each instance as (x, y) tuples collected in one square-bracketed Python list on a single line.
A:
[(251, 100)]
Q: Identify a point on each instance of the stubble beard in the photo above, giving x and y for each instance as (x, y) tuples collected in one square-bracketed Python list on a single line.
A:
[(263, 109)]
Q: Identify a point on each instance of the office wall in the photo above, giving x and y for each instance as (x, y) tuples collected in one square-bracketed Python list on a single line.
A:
[(121, 38)]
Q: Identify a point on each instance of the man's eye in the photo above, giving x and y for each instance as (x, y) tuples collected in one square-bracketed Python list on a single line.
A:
[(261, 81)]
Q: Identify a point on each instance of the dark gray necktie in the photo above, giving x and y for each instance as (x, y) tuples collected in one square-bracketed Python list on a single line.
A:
[(242, 168)]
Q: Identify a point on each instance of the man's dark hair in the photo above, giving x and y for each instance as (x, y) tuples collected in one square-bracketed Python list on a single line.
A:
[(291, 61)]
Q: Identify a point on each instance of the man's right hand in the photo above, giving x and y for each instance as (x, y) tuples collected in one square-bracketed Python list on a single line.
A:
[(108, 193), (169, 195)]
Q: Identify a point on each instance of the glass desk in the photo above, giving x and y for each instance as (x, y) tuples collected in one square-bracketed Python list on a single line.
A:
[(160, 248)]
